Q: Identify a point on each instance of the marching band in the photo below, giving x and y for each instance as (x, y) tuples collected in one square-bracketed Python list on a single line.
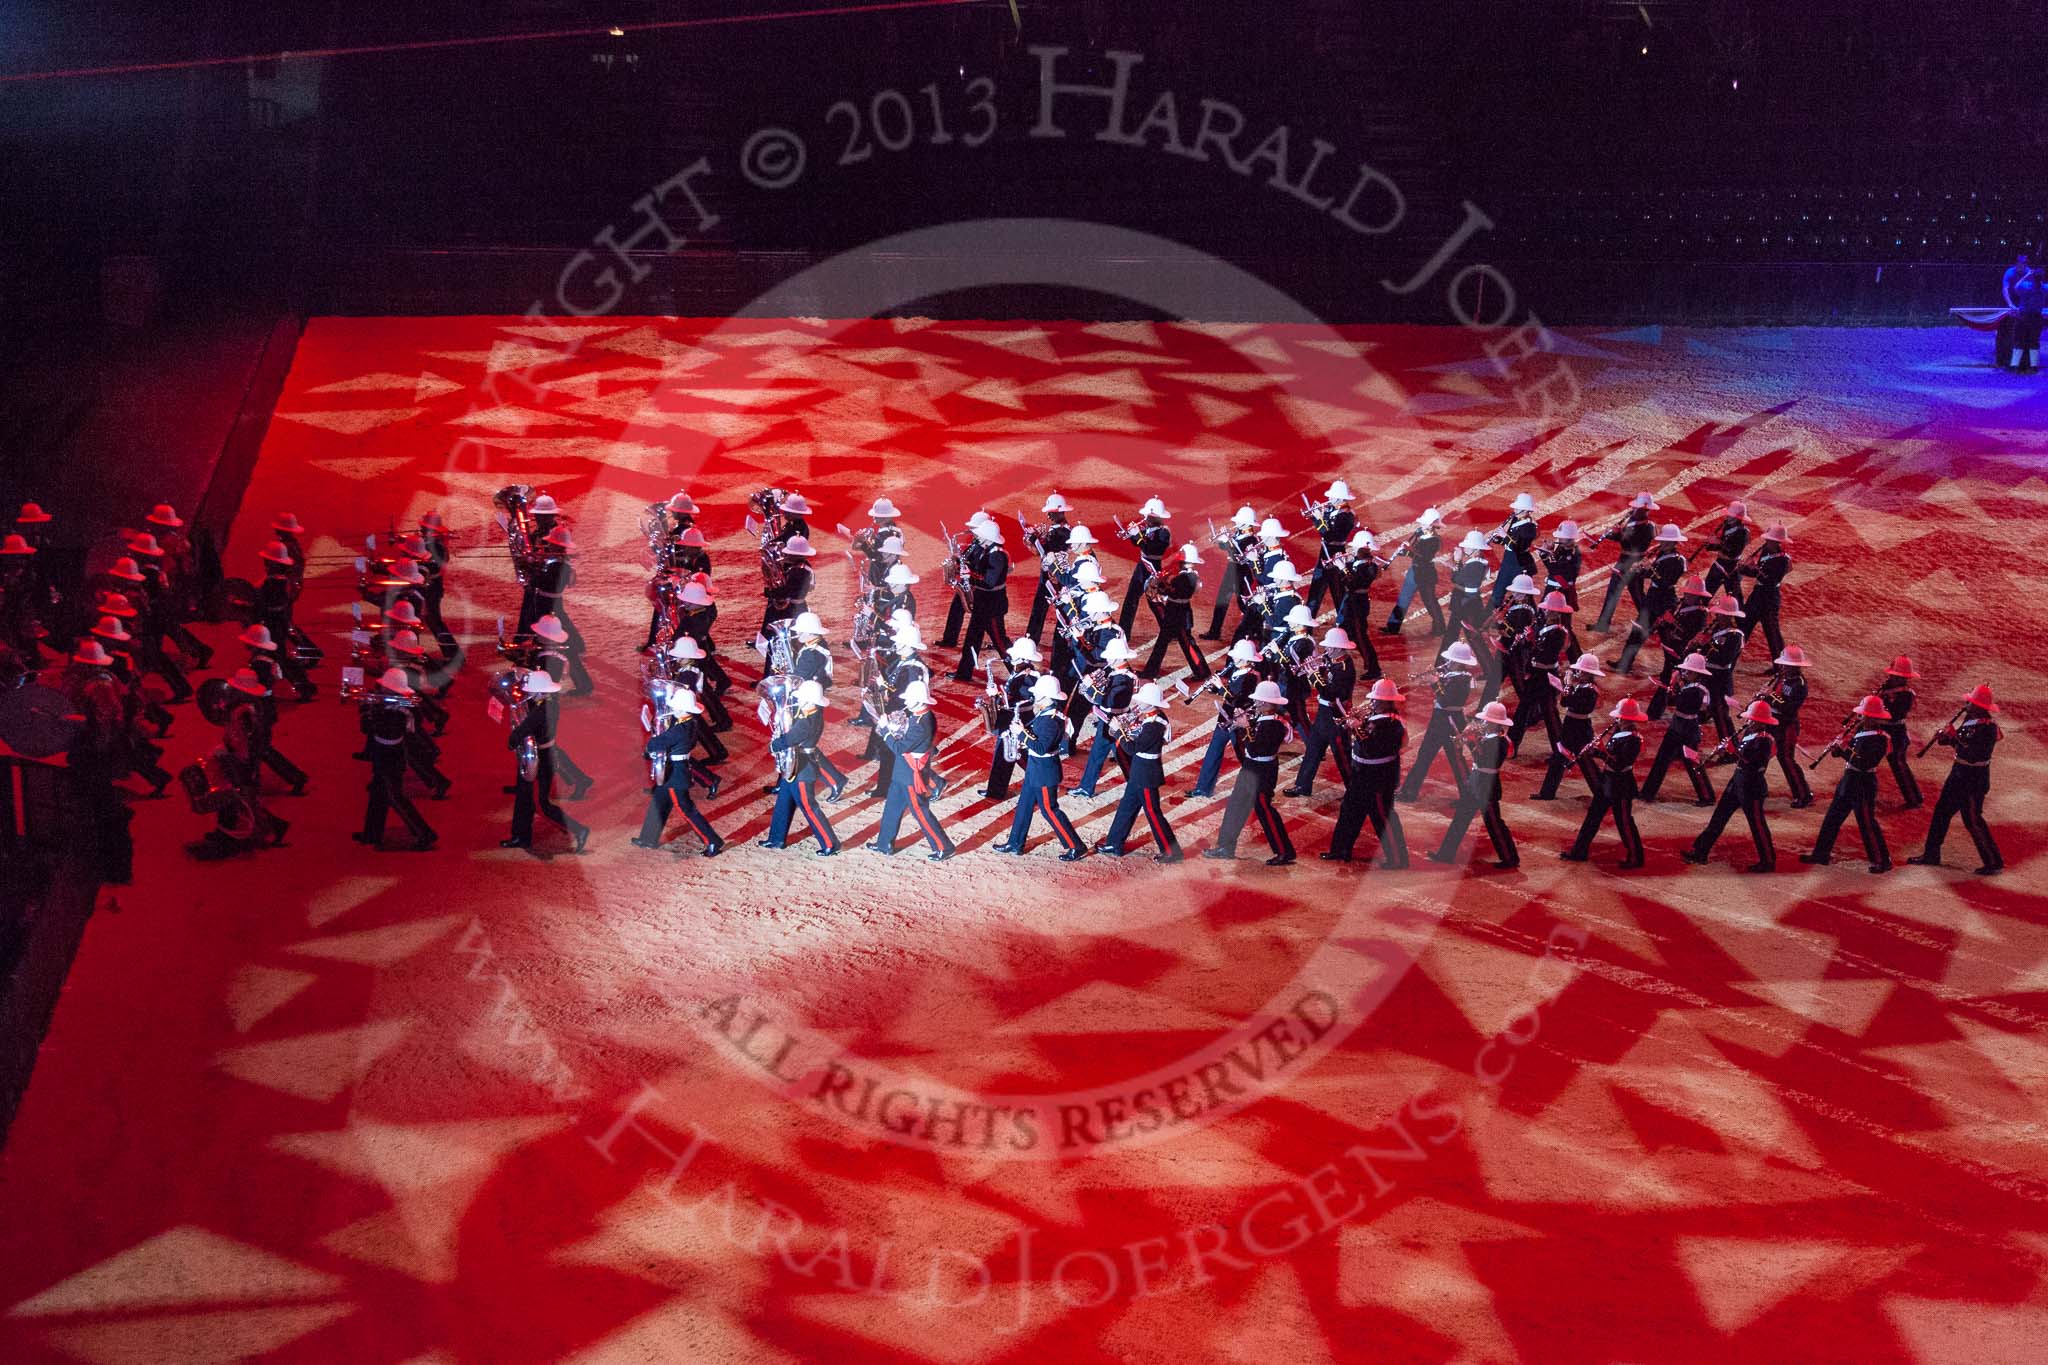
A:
[(1297, 659)]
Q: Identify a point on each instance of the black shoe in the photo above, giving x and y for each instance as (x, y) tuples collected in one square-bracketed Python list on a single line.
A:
[(1990, 869), (1200, 795), (1440, 858), (1800, 805), (639, 842), (1401, 866), (770, 791), (1814, 861), (1884, 866), (873, 847), (1220, 854), (439, 793), (1539, 796), (712, 790), (1073, 855), (364, 839), (1693, 856), (1106, 851), (1571, 857), (1914, 804), (1078, 792), (1629, 866), (582, 837), (1004, 848), (831, 852), (1922, 860), (1280, 860), (939, 857), (1761, 867), (1294, 791), (1332, 856), (1173, 857), (764, 843), (714, 848), (1508, 865), (515, 843)]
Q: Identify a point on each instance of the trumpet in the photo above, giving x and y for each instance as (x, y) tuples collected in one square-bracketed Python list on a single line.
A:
[(893, 725)]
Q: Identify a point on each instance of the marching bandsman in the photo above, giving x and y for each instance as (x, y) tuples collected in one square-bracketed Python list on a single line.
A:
[(1615, 759), (1856, 792), (671, 745), (1369, 786), (1256, 616), (158, 613), (1467, 616), (1420, 582), (1234, 687), (179, 567), (1685, 732), (1333, 522), (903, 672), (1050, 733), (1540, 677), (1154, 541), (386, 717), (548, 586), (1580, 699), (102, 696), (260, 728), (1787, 696), (1481, 794), (1724, 652), (1517, 539), (98, 757), (912, 783), (1655, 589), (141, 704), (1508, 651), (689, 553), (1141, 746), (245, 736), (1446, 720), (797, 789), (1766, 599), (290, 532), (21, 604), (812, 660), (988, 616), (555, 652), (1013, 712), (1290, 663), (262, 647), (1336, 680), (1562, 562), (1109, 702), (962, 574), (1897, 694), (1176, 612), (1045, 541), (429, 546), (792, 595), (1731, 538), (403, 651), (1634, 534), (1239, 543), (1679, 632), (1361, 569), (1258, 744), (686, 672), (1747, 788), (1973, 735), (535, 790), (547, 515)]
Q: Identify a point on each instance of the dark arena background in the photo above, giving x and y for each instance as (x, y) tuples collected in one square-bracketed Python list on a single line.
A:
[(398, 399)]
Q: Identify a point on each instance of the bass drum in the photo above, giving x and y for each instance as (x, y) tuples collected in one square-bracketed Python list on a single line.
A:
[(213, 700), (213, 791), (35, 721)]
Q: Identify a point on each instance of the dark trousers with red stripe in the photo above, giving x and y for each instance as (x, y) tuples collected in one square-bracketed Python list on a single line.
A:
[(1855, 794), (1040, 798), (1135, 799), (1369, 795), (1481, 798), (666, 799), (1251, 794), (903, 795), (1322, 735), (792, 796), (1962, 797)]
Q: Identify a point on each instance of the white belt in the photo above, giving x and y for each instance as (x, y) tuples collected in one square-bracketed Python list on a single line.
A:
[(1486, 770), (381, 740), (1144, 755), (1254, 758), (1389, 759)]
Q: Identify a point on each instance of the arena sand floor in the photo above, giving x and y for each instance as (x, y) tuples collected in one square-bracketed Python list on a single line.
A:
[(486, 1105)]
